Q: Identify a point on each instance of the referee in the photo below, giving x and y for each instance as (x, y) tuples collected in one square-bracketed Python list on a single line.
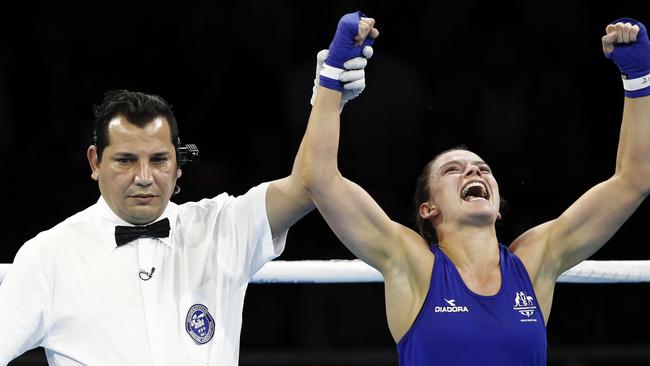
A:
[(136, 279)]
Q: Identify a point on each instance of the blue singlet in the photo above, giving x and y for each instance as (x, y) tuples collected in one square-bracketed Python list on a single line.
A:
[(458, 327)]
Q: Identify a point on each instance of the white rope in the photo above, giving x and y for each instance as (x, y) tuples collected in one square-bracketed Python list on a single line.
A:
[(608, 272), (332, 271), (356, 271)]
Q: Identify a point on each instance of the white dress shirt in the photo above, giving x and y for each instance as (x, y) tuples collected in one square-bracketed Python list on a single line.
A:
[(72, 291)]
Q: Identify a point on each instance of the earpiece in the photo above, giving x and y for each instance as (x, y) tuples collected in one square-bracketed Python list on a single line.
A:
[(187, 154)]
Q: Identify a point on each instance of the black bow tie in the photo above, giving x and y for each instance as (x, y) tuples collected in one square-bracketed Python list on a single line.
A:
[(126, 234)]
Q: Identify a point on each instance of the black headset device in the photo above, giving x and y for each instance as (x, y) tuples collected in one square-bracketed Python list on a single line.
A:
[(186, 154)]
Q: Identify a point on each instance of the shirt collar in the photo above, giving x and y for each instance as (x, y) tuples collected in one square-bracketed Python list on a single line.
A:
[(107, 220)]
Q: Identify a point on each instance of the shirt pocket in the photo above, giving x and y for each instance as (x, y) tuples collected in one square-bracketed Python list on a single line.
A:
[(197, 314)]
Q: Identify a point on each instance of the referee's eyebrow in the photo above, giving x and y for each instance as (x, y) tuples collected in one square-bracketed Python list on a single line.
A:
[(124, 154)]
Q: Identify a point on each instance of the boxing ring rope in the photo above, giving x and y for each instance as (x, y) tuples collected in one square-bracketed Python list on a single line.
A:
[(356, 271)]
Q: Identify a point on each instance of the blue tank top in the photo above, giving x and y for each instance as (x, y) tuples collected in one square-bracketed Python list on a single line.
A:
[(458, 327)]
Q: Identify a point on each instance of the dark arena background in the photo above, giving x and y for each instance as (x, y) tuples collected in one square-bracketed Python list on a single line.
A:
[(523, 84)]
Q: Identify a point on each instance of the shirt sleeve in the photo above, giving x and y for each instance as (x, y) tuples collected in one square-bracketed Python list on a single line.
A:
[(244, 221), (24, 298)]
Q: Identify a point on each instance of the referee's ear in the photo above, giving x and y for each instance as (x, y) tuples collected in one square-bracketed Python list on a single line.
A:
[(93, 160)]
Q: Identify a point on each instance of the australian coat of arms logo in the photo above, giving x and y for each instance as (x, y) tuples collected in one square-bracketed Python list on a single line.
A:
[(525, 305)]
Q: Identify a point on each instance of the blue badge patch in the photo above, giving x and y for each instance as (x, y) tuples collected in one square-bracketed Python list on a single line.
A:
[(199, 324)]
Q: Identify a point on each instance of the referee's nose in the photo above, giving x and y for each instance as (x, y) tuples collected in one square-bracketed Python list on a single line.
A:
[(144, 177)]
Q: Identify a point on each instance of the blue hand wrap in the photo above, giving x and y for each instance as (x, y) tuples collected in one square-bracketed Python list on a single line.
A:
[(633, 60), (342, 49)]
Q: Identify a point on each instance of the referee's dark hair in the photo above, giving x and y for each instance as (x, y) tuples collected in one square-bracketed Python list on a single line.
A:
[(138, 108)]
